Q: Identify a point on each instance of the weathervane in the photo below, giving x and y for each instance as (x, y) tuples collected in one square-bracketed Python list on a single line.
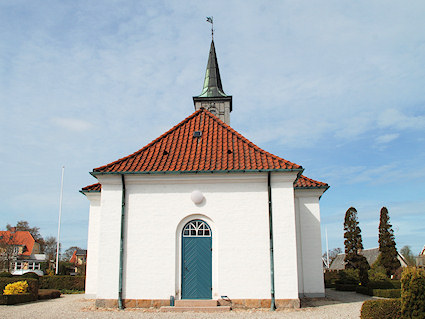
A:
[(211, 20)]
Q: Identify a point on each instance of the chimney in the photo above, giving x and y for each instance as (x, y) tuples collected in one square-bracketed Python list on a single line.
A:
[(12, 229)]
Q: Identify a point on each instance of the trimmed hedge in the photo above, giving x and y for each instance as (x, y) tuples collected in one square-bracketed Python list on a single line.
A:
[(384, 293), (346, 287), (381, 309), (32, 275), (15, 299), (63, 282), (32, 284), (6, 274), (48, 294), (387, 284), (387, 293)]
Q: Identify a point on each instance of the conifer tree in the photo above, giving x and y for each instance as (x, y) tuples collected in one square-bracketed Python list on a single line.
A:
[(353, 245), (388, 257)]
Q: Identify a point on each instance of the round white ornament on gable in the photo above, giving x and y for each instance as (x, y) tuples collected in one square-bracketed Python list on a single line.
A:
[(197, 197)]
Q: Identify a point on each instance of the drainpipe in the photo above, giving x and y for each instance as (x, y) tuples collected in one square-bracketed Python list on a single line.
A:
[(120, 304), (269, 190)]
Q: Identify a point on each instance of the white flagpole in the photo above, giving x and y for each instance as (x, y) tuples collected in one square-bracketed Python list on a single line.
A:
[(59, 223), (327, 247)]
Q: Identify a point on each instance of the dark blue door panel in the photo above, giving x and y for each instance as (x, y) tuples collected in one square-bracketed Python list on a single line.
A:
[(196, 268)]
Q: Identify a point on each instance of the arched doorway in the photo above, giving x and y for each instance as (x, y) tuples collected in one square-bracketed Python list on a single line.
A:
[(196, 260)]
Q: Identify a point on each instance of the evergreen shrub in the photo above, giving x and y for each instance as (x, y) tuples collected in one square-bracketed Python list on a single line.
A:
[(413, 293), (377, 272), (330, 277), (6, 274), (381, 309), (348, 276)]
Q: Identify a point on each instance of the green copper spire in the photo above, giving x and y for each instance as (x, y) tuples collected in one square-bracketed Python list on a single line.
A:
[(212, 82)]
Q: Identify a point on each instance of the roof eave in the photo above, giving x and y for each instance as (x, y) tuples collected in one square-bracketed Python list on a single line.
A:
[(300, 170)]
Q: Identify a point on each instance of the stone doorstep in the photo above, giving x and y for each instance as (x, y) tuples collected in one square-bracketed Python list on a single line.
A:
[(196, 303), (195, 309)]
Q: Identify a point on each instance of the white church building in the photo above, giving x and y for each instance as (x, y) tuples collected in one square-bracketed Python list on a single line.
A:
[(203, 213)]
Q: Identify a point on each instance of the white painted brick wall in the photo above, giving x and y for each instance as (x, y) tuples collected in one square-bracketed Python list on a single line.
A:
[(92, 244), (311, 248), (236, 208)]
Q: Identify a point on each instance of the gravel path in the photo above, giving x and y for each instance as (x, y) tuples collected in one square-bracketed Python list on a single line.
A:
[(337, 304)]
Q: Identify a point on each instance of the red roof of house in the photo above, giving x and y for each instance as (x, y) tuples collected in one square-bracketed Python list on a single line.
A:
[(21, 238), (219, 148), (73, 257), (301, 182)]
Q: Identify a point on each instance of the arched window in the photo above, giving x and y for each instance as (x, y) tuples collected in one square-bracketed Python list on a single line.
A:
[(213, 110), (196, 228)]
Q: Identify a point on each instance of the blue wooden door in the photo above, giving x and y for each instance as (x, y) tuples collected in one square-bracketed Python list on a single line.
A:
[(196, 261)]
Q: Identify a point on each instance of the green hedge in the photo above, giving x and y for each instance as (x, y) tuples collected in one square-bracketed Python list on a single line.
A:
[(381, 309), (387, 284), (384, 293), (33, 284), (15, 299), (346, 287), (5, 274), (364, 290), (63, 282), (387, 293), (48, 294)]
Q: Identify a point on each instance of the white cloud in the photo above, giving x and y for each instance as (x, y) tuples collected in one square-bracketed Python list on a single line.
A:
[(386, 138), (395, 118), (72, 124)]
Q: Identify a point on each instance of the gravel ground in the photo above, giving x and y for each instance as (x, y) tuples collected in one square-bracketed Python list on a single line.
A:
[(337, 304)]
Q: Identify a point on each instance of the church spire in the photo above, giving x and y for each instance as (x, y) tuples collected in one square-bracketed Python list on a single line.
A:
[(212, 82), (212, 96)]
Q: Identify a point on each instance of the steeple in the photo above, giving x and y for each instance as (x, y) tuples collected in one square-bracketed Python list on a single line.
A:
[(213, 97)]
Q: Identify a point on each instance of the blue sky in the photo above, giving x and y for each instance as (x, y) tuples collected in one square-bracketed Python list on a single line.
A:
[(335, 86)]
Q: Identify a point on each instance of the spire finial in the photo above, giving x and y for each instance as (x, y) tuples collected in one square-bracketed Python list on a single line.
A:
[(211, 20)]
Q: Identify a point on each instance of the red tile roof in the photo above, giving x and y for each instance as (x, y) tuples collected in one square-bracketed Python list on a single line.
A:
[(305, 182), (21, 238), (219, 148), (92, 188)]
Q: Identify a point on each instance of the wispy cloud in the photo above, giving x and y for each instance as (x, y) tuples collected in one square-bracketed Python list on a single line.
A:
[(386, 138), (395, 118), (72, 124)]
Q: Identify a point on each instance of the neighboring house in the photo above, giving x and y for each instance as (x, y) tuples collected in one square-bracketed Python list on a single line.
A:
[(21, 252), (78, 258), (371, 255), (420, 260), (194, 215)]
